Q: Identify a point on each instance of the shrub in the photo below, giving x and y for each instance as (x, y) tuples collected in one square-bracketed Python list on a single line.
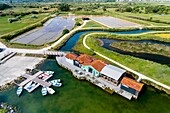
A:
[(34, 16), (78, 24), (65, 31)]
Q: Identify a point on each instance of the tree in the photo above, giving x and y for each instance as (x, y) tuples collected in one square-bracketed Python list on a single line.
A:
[(65, 31), (64, 7), (104, 8)]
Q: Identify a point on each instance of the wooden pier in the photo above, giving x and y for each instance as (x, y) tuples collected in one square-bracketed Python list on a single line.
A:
[(35, 79)]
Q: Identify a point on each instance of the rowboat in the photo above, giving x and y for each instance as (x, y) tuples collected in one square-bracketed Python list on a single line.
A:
[(50, 90), (19, 91), (44, 91)]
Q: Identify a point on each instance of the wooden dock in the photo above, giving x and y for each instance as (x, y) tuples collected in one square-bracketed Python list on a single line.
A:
[(35, 79)]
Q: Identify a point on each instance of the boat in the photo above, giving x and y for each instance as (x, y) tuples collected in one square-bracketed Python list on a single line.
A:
[(55, 82), (58, 84), (44, 91), (31, 86), (49, 72), (50, 90), (19, 90), (27, 85)]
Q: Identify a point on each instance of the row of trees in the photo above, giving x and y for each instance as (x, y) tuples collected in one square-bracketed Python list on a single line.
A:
[(4, 6), (159, 9)]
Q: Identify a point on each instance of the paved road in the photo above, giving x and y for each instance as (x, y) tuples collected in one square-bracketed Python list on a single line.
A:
[(141, 76)]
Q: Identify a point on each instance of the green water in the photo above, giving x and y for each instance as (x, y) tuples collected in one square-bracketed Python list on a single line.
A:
[(82, 97)]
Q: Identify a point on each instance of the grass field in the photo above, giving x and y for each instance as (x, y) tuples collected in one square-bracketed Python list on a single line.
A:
[(163, 35), (7, 27), (3, 111), (93, 24), (112, 12), (158, 49), (131, 37), (154, 70)]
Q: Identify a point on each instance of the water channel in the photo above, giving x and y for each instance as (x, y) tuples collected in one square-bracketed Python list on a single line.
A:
[(152, 57)]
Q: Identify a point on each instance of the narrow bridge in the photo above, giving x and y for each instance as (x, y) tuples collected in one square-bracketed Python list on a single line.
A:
[(39, 52)]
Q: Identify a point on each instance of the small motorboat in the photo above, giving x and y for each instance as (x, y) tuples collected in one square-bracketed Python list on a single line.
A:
[(49, 72), (44, 91), (19, 91), (55, 81), (58, 84), (50, 90), (27, 85), (31, 86)]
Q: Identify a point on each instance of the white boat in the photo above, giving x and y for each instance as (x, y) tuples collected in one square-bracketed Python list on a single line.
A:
[(49, 72), (58, 84), (54, 81), (50, 90), (27, 85), (44, 91), (19, 91), (31, 86)]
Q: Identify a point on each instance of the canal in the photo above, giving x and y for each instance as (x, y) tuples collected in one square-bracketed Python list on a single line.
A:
[(152, 57)]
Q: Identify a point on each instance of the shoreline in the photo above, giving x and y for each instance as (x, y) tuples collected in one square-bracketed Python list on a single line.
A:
[(13, 82)]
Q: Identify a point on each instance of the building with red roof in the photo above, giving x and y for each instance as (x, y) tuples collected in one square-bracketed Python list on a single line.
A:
[(97, 67), (131, 86)]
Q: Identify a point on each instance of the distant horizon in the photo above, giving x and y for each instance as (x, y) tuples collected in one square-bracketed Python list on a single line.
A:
[(84, 1)]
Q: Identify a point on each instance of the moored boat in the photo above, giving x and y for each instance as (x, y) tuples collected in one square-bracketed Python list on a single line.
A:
[(19, 91), (44, 91), (27, 85), (49, 72), (58, 84), (55, 82), (50, 90), (31, 86)]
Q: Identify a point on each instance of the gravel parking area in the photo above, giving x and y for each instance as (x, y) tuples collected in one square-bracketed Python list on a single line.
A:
[(15, 67), (112, 22), (51, 30)]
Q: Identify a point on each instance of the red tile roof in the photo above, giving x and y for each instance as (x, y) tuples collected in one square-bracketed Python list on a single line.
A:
[(89, 60), (85, 59), (71, 56), (132, 83), (98, 65)]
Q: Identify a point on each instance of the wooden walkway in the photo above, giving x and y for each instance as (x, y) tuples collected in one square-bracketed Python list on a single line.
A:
[(35, 79), (29, 78)]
